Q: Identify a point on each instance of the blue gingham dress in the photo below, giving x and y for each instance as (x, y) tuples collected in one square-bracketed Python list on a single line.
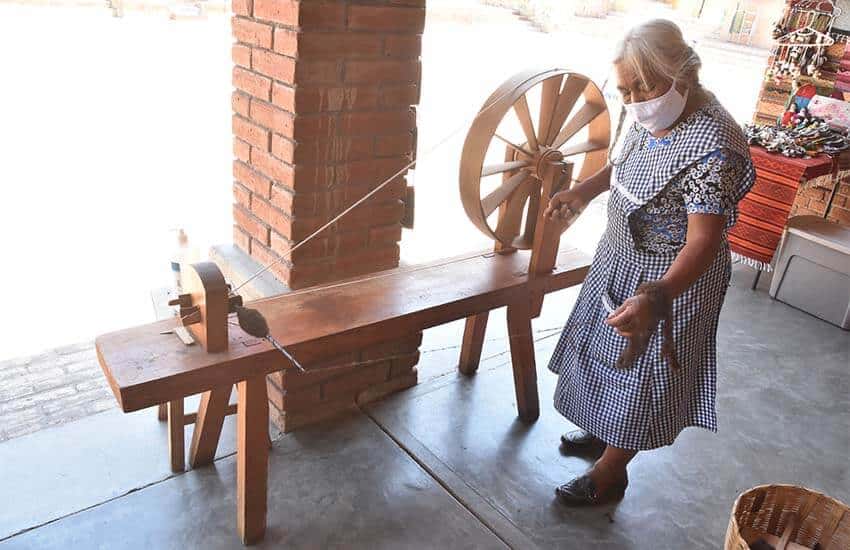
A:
[(702, 165)]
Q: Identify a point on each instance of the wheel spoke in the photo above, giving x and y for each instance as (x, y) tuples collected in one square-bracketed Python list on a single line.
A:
[(573, 88), (524, 116), (548, 101), (584, 147), (503, 167), (582, 118), (492, 201), (515, 147)]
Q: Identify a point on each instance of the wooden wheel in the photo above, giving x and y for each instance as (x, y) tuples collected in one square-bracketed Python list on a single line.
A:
[(572, 124)]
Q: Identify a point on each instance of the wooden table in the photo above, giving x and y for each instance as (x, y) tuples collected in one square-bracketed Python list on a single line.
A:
[(145, 368)]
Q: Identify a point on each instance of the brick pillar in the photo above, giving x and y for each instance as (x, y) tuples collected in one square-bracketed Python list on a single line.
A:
[(323, 112)]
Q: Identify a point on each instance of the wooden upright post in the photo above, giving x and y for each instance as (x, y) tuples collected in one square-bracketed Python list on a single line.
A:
[(252, 459)]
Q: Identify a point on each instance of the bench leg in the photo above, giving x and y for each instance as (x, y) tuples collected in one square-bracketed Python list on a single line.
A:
[(252, 459), (473, 342), (176, 442), (522, 357), (210, 419)]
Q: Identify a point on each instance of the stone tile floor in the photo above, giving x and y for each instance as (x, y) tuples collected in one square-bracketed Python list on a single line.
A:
[(53, 388)]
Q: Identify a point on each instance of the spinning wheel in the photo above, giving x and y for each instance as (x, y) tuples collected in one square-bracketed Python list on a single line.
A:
[(575, 137)]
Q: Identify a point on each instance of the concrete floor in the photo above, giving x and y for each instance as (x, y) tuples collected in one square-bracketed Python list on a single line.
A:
[(447, 465)]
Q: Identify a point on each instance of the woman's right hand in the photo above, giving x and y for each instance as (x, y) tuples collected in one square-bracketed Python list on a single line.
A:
[(565, 204)]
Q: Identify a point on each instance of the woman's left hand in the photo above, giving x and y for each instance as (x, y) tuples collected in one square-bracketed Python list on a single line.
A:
[(634, 316)]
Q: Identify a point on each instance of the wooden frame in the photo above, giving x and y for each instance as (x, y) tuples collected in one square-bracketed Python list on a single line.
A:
[(144, 367)]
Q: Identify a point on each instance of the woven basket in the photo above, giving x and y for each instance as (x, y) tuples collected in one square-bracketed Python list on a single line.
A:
[(788, 517)]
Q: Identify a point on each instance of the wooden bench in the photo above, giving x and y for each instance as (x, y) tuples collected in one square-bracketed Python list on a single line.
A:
[(146, 368)]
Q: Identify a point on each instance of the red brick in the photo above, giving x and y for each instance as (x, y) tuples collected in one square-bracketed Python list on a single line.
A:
[(385, 234), (282, 199), (382, 71), (269, 116), (361, 378), (242, 195), (256, 85), (377, 123), (279, 11), (243, 7), (241, 150), (286, 200), (324, 99), (390, 192), (273, 168), (371, 216), (340, 244), (286, 41), (241, 55), (241, 239), (271, 216), (251, 133), (265, 257), (339, 44), (318, 372), (316, 248), (271, 64), (388, 19), (841, 215), (394, 146), (294, 401), (315, 16), (317, 72), (310, 178), (283, 148), (251, 225), (333, 149), (372, 171), (400, 96), (251, 32), (404, 46), (241, 103), (257, 183), (284, 96), (314, 127)]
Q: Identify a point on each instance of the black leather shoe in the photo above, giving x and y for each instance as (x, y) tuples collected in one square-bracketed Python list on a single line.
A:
[(582, 443), (581, 491)]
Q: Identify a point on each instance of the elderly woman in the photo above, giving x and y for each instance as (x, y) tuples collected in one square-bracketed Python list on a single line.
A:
[(637, 358)]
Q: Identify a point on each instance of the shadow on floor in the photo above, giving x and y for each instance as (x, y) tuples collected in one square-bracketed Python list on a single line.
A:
[(447, 464)]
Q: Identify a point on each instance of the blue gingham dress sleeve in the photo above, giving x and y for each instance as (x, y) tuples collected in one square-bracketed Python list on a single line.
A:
[(711, 185)]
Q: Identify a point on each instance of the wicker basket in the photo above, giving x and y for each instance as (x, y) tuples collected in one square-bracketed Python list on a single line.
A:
[(787, 516)]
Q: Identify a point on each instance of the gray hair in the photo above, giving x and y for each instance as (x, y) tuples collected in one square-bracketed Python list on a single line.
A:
[(656, 50)]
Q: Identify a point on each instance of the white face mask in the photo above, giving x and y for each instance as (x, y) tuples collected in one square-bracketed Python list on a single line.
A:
[(659, 113)]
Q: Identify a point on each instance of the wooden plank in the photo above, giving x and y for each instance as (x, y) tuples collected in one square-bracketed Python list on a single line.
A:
[(522, 357), (473, 343), (252, 459), (145, 368), (176, 442), (211, 412)]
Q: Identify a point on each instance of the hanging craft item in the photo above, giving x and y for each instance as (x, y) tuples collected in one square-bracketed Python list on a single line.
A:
[(800, 40)]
